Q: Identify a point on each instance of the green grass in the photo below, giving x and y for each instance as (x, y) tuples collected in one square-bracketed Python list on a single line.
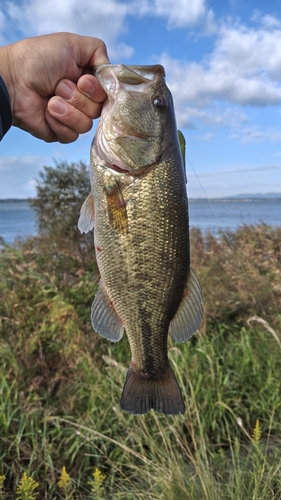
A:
[(60, 383)]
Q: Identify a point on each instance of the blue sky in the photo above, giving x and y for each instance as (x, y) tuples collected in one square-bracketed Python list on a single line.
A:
[(223, 66)]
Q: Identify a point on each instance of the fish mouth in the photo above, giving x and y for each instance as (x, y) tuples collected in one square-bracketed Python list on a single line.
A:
[(129, 75), (114, 169), (118, 170)]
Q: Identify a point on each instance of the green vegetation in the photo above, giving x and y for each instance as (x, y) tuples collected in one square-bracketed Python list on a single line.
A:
[(62, 433)]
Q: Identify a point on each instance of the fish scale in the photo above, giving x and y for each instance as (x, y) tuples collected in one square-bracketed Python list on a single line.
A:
[(142, 235)]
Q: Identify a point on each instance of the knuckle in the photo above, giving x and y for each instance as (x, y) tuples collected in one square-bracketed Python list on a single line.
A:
[(77, 100)]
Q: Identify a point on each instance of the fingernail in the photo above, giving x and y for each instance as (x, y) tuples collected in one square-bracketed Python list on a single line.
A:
[(87, 86), (58, 106), (63, 90)]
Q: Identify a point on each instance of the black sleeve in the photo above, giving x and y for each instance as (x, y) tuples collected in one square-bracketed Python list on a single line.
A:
[(5, 109)]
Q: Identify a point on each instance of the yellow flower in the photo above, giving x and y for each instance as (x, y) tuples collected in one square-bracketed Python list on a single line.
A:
[(98, 477), (64, 481), (97, 482), (2, 479), (26, 487), (256, 432)]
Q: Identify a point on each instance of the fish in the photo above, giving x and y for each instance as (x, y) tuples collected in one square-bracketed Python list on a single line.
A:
[(138, 208)]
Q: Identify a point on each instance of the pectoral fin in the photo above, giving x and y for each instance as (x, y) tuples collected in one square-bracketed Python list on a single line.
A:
[(105, 319), (86, 219), (116, 207), (188, 317)]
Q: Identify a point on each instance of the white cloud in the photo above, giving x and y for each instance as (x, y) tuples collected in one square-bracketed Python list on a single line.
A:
[(17, 171), (252, 54), (30, 188), (213, 115), (244, 69), (105, 19), (178, 14), (102, 19), (13, 163), (267, 20), (2, 27), (207, 137), (248, 135)]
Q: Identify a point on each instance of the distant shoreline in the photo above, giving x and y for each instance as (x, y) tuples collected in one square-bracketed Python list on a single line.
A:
[(13, 200), (227, 199), (235, 200)]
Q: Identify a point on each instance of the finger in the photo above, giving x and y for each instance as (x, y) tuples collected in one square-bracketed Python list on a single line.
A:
[(69, 92), (61, 131), (68, 115), (91, 87)]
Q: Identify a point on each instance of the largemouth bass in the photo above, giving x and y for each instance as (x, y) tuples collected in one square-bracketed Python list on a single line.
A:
[(138, 207)]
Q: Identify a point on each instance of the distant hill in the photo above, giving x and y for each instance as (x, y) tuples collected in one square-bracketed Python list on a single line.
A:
[(254, 196), (243, 196)]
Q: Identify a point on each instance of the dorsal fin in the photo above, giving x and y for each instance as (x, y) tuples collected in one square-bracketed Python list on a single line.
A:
[(182, 144)]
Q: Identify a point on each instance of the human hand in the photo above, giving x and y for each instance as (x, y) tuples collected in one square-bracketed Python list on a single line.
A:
[(53, 94)]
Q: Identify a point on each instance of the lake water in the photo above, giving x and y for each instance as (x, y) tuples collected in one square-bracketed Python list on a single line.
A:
[(223, 215), (18, 220)]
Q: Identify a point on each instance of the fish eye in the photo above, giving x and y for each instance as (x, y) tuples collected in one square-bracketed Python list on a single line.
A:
[(160, 102)]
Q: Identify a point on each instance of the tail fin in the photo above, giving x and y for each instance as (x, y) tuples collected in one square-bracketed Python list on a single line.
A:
[(141, 393)]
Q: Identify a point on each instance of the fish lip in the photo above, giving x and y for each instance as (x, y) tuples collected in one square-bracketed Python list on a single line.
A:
[(143, 70)]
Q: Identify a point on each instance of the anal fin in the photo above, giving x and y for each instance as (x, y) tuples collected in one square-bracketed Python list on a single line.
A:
[(105, 319), (188, 317), (86, 219)]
